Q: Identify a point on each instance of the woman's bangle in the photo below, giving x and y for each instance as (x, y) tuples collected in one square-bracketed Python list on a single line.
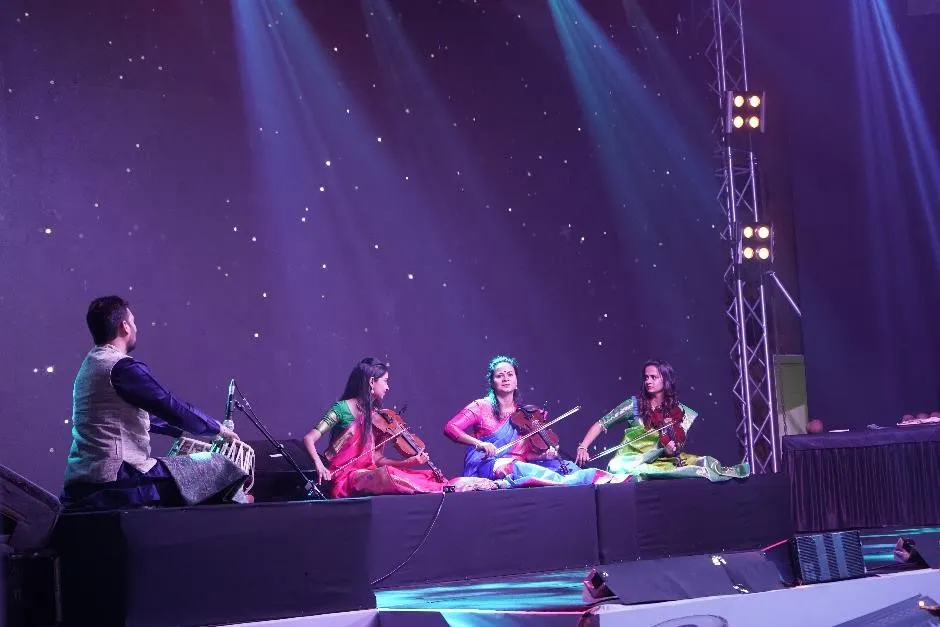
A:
[(581, 446)]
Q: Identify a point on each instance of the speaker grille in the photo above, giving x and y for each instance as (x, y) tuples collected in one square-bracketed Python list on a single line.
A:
[(829, 556)]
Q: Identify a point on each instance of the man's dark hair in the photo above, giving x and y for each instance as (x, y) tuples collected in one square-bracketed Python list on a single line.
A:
[(105, 316)]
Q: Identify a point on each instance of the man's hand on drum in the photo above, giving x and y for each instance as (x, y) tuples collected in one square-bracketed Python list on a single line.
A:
[(227, 433)]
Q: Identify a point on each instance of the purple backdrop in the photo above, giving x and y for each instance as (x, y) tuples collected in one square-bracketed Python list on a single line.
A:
[(867, 264), (221, 167)]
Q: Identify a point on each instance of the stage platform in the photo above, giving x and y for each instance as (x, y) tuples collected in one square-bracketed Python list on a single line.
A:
[(511, 532), (239, 563)]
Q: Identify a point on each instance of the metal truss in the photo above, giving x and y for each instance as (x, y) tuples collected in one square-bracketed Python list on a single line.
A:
[(748, 309)]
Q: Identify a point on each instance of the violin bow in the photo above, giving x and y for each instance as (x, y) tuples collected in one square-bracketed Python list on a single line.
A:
[(608, 451), (506, 447), (376, 447), (371, 450)]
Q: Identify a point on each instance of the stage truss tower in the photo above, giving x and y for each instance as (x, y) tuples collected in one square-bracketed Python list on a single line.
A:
[(754, 387)]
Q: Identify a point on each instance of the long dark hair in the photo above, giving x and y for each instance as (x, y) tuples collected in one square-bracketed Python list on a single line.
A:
[(357, 388), (670, 390), (491, 390)]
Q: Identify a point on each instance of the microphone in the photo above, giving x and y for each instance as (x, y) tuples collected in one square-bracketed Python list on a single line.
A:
[(404, 408), (228, 422)]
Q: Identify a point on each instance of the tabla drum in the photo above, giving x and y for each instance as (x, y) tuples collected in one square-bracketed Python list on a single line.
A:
[(186, 446), (239, 454)]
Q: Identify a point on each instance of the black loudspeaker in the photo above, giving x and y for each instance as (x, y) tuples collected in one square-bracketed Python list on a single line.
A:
[(275, 478), (780, 554), (32, 590), (27, 512), (675, 578), (831, 556), (924, 548), (906, 613)]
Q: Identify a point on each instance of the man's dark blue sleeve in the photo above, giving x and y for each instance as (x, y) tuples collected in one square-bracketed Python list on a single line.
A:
[(168, 415)]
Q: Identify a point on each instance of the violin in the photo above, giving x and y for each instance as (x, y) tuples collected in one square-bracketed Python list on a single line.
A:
[(528, 419), (531, 419), (672, 431), (408, 444)]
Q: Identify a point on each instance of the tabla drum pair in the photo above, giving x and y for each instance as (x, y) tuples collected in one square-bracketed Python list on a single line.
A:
[(236, 451)]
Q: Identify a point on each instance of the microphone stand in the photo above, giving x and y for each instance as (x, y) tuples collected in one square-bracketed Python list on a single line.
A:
[(309, 485)]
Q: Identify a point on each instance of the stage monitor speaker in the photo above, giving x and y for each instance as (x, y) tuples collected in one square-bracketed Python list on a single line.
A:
[(32, 590), (927, 545), (904, 613), (275, 478), (780, 555), (676, 578), (27, 512), (830, 556)]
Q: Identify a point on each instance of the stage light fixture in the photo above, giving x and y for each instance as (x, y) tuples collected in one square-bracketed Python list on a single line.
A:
[(745, 112), (756, 242), (595, 587)]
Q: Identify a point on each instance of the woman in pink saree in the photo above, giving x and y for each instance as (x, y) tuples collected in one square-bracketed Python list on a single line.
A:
[(355, 457)]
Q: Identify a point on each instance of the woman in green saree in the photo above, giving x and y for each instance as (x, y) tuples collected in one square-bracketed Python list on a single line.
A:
[(656, 426)]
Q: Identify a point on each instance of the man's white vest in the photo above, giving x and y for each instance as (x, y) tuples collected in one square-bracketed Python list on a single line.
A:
[(106, 430)]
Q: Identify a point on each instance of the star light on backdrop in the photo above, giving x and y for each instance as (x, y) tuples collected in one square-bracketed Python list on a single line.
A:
[(644, 135), (281, 188)]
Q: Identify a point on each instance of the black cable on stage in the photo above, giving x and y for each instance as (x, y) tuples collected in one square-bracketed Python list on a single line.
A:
[(427, 534)]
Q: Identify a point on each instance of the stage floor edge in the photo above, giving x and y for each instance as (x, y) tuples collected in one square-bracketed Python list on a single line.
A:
[(819, 605), (358, 618)]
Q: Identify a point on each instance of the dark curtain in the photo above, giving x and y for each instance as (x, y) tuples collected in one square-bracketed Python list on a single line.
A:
[(864, 480)]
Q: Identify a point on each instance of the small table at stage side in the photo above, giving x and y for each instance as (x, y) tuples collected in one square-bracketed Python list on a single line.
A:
[(864, 479)]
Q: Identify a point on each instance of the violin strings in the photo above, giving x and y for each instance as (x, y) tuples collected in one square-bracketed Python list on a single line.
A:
[(506, 447), (374, 448), (371, 450)]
